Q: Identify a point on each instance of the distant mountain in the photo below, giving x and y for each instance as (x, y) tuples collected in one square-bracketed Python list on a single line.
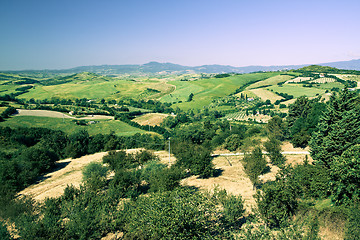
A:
[(170, 68)]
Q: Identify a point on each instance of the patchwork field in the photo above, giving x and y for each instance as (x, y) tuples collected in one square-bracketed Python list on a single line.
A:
[(205, 90)]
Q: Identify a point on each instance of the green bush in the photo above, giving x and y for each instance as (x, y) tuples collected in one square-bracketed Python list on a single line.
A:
[(4, 234), (233, 208), (94, 175)]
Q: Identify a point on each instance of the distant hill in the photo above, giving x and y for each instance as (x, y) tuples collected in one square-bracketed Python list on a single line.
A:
[(170, 68)]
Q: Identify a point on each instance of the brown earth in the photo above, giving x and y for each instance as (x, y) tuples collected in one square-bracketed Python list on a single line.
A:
[(54, 114), (152, 119)]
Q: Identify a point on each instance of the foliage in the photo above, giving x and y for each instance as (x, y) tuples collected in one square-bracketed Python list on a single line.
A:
[(276, 203), (180, 214), (312, 181), (345, 175), (4, 234), (233, 142), (197, 158), (273, 147), (353, 223), (338, 128), (94, 175), (78, 144), (303, 118), (233, 208), (165, 179)]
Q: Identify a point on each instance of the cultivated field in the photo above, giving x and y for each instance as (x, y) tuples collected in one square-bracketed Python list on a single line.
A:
[(241, 116), (54, 114), (296, 90), (266, 94), (298, 80), (271, 81), (152, 119)]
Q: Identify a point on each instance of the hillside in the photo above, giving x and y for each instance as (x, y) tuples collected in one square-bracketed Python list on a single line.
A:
[(170, 68)]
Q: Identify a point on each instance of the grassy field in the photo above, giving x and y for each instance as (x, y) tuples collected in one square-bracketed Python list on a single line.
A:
[(97, 89), (205, 90), (331, 85), (68, 126), (297, 90)]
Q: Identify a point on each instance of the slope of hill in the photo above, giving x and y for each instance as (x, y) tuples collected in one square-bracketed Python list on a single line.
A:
[(170, 68)]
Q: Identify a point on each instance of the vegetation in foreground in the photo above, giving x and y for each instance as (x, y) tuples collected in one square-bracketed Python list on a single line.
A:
[(300, 203)]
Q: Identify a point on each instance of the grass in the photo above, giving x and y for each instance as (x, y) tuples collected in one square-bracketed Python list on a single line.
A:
[(297, 90), (205, 90), (68, 126), (98, 89), (331, 85)]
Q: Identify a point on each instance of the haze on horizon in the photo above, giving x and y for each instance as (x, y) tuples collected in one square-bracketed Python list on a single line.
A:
[(42, 34)]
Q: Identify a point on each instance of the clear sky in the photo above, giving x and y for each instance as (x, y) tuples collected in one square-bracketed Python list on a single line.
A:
[(55, 34)]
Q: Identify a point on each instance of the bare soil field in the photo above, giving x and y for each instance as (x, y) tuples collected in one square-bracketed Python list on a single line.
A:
[(152, 119), (231, 175), (68, 172), (231, 178), (54, 114)]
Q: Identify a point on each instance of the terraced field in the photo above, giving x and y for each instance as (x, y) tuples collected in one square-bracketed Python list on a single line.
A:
[(271, 81)]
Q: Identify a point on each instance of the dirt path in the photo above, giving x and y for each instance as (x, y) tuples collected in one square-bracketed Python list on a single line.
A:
[(54, 114)]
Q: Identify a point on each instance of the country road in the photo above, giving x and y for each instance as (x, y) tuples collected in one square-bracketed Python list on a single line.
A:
[(285, 153)]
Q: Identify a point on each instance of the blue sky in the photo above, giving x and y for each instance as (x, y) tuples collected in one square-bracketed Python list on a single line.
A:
[(54, 34)]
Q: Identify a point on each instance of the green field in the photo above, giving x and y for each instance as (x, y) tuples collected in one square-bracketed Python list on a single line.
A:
[(297, 90), (331, 85), (68, 126), (205, 90), (98, 89)]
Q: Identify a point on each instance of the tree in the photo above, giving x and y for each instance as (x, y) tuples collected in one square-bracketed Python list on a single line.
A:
[(276, 128), (78, 144), (179, 214), (273, 147), (197, 158), (276, 202), (190, 98), (233, 142), (94, 175), (255, 165), (345, 173), (338, 128), (4, 234)]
